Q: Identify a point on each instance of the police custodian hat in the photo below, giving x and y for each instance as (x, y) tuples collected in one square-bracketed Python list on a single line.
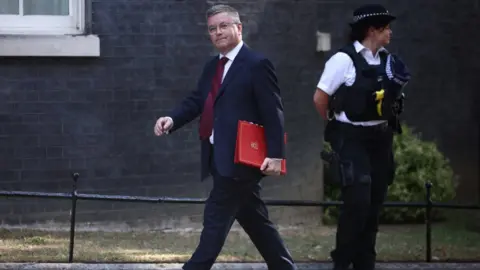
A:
[(371, 12)]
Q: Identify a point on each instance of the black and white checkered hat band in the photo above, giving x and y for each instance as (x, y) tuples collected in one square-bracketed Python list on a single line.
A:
[(363, 16)]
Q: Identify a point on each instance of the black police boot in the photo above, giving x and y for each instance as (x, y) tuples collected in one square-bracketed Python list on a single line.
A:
[(338, 263), (365, 257), (364, 263), (340, 267)]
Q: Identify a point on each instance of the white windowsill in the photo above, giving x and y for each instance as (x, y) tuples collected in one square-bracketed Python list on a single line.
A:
[(32, 45)]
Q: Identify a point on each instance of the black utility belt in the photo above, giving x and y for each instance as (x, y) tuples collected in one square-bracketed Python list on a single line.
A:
[(382, 126)]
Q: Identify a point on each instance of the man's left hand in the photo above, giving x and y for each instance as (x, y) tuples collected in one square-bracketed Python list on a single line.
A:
[(271, 166)]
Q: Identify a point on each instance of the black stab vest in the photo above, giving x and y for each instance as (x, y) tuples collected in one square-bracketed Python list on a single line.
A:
[(358, 101)]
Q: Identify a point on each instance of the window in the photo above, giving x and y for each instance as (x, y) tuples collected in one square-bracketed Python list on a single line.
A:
[(42, 17), (46, 28)]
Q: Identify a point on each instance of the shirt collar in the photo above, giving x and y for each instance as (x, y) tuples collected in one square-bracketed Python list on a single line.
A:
[(234, 52), (359, 47)]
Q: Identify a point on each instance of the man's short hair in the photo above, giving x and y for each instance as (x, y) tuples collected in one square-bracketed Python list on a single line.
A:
[(216, 9)]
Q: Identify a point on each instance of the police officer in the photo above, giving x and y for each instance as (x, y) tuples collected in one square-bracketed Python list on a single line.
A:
[(360, 93)]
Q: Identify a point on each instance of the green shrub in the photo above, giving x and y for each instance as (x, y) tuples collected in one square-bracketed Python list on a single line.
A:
[(417, 162)]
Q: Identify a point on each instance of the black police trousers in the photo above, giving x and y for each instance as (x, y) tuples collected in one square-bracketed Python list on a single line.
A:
[(369, 152)]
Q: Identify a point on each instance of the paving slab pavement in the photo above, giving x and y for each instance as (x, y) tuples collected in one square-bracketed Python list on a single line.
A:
[(225, 266)]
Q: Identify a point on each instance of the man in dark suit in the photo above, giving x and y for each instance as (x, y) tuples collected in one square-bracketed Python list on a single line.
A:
[(239, 84)]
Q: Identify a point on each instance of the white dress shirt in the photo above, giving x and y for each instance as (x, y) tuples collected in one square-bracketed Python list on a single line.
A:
[(231, 57), (339, 69)]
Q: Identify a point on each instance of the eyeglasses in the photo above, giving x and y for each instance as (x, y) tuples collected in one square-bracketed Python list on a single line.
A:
[(222, 26)]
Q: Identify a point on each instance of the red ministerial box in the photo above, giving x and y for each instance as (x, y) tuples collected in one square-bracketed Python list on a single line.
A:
[(251, 146)]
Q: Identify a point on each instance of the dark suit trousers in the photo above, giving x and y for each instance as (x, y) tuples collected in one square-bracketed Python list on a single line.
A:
[(238, 199)]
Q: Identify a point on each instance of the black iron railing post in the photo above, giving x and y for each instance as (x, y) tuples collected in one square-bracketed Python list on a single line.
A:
[(73, 213), (428, 221)]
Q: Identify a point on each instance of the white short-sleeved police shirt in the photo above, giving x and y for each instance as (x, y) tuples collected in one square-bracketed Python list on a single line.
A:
[(339, 69)]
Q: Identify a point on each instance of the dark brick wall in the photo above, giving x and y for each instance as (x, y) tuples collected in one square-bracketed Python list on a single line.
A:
[(95, 116)]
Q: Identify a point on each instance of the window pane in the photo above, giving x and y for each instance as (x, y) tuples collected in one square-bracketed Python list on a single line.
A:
[(9, 7), (46, 7)]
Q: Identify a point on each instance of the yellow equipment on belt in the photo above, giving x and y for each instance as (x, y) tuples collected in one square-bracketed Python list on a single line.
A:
[(379, 97)]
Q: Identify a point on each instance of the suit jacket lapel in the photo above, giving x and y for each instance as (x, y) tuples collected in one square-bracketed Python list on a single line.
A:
[(232, 71), (206, 85)]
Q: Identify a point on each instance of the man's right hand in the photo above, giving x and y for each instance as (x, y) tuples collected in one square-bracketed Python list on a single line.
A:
[(163, 125)]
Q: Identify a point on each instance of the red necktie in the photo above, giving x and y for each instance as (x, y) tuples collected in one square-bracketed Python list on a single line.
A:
[(206, 120)]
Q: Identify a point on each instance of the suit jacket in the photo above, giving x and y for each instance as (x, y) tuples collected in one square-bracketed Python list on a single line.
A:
[(249, 92)]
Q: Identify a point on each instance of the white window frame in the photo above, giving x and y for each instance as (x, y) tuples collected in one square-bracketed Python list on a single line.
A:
[(74, 24)]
